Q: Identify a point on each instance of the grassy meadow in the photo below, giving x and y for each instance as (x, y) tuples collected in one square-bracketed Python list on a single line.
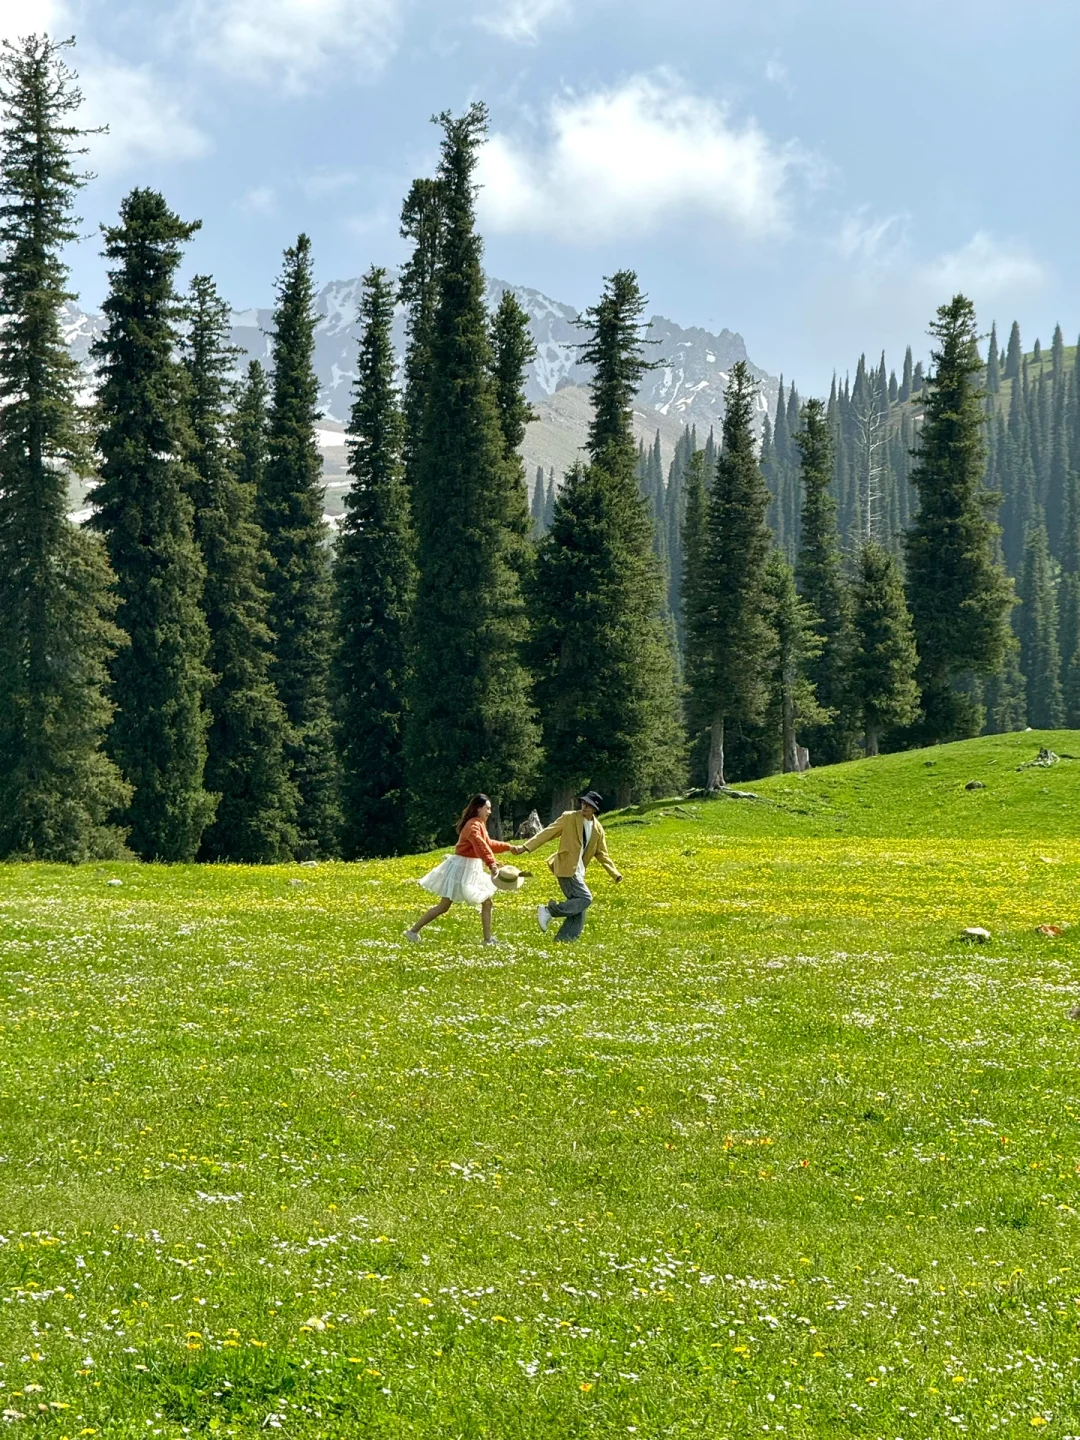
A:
[(772, 1152)]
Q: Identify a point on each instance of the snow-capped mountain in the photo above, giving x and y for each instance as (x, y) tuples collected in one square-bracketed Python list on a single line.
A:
[(685, 388)]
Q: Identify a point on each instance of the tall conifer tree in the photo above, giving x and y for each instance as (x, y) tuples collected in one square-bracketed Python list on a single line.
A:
[(513, 349), (694, 548), (57, 636), (821, 584), (289, 508), (727, 622), (884, 692), (993, 365), (374, 581), (538, 504), (143, 507), (906, 378), (958, 594), (1014, 354), (796, 645), (1069, 600), (471, 721), (246, 766), (604, 653), (423, 220), (1037, 627)]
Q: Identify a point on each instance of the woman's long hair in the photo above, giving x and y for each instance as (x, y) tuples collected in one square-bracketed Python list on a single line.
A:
[(475, 805)]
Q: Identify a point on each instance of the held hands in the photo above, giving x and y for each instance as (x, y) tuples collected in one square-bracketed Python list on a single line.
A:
[(518, 850)]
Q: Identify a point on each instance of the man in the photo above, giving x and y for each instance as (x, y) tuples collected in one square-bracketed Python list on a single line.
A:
[(581, 840)]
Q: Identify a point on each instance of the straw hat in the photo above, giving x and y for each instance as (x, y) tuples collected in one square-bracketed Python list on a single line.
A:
[(510, 878)]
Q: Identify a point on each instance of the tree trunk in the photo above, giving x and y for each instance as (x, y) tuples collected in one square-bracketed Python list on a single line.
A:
[(872, 741), (716, 779), (623, 796), (562, 799), (791, 753)]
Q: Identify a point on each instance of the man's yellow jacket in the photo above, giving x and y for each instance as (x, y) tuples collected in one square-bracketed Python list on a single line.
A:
[(570, 829)]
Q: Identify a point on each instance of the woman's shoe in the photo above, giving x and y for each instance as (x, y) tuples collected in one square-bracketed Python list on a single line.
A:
[(412, 935), (492, 940)]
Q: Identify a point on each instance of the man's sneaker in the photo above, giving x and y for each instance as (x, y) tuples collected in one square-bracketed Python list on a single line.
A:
[(543, 917), (413, 936)]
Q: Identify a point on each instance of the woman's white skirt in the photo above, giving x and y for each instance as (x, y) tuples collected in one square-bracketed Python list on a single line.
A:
[(460, 877)]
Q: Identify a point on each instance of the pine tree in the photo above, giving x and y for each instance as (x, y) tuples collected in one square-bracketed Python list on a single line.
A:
[(245, 761), (918, 379), (549, 501), (144, 509), (289, 508), (1037, 627), (796, 645), (1014, 354), (1006, 693), (821, 584), (603, 651), (423, 222), (774, 462), (1069, 599), (1057, 477), (728, 630), (906, 381), (884, 692), (959, 596), (691, 596), (513, 350), (538, 504), (471, 721), (675, 516), (993, 365), (58, 789), (374, 581), (1057, 356)]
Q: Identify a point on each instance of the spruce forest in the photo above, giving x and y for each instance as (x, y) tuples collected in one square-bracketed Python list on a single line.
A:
[(205, 672)]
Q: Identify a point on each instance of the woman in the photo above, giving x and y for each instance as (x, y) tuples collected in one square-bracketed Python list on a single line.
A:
[(467, 874)]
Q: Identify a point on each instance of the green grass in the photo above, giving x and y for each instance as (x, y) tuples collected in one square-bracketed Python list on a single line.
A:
[(771, 1152), (922, 793)]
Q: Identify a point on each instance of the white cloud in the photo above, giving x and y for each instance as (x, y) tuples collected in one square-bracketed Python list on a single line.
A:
[(259, 200), (327, 182), (148, 119), (634, 158), (521, 21), (291, 43), (373, 223), (777, 73), (33, 17), (872, 241), (879, 258), (985, 269)]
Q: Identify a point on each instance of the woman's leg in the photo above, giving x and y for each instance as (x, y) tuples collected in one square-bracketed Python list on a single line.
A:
[(432, 914), (485, 918)]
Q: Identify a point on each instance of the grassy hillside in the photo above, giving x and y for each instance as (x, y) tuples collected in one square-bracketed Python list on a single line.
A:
[(923, 792), (772, 1151)]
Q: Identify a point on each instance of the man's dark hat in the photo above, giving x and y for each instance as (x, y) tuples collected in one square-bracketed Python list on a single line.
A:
[(592, 798)]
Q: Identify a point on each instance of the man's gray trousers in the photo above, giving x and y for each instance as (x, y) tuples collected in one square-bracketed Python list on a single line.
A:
[(572, 909)]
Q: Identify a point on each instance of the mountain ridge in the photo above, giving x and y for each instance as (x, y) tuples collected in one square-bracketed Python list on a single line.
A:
[(684, 387)]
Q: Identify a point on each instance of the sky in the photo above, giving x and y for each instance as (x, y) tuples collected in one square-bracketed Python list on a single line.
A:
[(818, 175)]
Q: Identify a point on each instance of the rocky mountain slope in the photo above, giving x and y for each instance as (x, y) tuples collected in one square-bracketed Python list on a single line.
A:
[(685, 388)]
